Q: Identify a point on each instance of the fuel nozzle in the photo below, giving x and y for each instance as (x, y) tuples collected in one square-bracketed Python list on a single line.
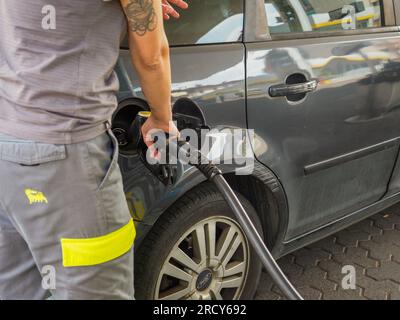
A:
[(187, 115), (166, 172), (135, 131)]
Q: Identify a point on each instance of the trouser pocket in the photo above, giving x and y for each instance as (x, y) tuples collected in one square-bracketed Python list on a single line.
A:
[(102, 159), (31, 153), (114, 159)]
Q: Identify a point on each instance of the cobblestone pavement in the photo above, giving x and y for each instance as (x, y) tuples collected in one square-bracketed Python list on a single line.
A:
[(371, 246)]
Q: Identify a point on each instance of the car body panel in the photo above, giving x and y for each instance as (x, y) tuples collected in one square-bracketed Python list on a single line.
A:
[(356, 96)]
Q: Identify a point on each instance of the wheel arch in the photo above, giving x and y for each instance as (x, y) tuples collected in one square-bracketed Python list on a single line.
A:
[(265, 192)]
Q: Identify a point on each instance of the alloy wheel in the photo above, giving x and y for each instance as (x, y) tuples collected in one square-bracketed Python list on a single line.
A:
[(209, 262)]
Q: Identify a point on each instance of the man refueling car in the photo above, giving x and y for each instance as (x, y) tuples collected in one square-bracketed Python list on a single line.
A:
[(62, 205)]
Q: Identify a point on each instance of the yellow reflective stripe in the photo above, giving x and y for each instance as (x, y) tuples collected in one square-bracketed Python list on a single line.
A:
[(93, 251)]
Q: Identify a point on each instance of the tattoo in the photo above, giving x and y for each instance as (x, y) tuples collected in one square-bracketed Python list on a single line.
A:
[(141, 16)]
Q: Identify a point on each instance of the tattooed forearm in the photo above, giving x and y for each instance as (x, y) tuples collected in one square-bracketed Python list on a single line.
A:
[(141, 16)]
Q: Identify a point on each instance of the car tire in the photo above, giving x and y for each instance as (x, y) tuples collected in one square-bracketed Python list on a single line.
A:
[(179, 230)]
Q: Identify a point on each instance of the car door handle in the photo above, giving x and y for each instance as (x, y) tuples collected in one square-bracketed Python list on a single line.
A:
[(284, 90)]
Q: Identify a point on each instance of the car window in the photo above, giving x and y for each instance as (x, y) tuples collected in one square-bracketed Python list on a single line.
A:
[(286, 16), (207, 21)]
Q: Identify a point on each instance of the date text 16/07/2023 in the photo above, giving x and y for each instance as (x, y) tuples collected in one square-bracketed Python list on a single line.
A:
[(201, 309)]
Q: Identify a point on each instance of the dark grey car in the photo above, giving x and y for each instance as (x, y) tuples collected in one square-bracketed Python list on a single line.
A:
[(319, 82)]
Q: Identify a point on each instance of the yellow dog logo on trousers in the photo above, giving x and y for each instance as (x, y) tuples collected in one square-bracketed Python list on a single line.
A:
[(35, 196)]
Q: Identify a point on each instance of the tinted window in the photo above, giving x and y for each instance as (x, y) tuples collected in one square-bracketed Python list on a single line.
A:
[(207, 21), (322, 15)]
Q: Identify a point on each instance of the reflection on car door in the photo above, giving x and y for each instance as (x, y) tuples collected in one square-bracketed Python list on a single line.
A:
[(325, 109)]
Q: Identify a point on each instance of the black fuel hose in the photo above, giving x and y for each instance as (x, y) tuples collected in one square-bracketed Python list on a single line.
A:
[(256, 241), (214, 174)]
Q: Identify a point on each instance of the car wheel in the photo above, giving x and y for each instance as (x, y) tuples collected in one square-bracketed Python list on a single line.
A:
[(198, 251)]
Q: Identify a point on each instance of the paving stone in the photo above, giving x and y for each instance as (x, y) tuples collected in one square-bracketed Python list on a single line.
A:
[(371, 246), (388, 270), (344, 295), (334, 271), (287, 259), (310, 293), (351, 239), (307, 292), (309, 258), (266, 283), (387, 221), (388, 236), (267, 295), (329, 244), (292, 270), (316, 278), (357, 256), (382, 251), (367, 226), (378, 290)]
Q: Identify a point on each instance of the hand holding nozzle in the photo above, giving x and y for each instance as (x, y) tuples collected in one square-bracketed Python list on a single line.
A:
[(151, 125), (143, 132)]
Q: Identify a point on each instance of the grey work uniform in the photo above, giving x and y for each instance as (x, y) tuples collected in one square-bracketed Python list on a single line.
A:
[(65, 227)]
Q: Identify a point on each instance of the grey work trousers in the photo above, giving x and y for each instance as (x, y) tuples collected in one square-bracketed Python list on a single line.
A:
[(72, 193)]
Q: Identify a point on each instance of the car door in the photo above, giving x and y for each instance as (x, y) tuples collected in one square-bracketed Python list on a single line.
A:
[(323, 92), (394, 185)]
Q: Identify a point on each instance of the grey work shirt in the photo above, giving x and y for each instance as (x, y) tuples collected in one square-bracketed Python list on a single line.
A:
[(57, 58)]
